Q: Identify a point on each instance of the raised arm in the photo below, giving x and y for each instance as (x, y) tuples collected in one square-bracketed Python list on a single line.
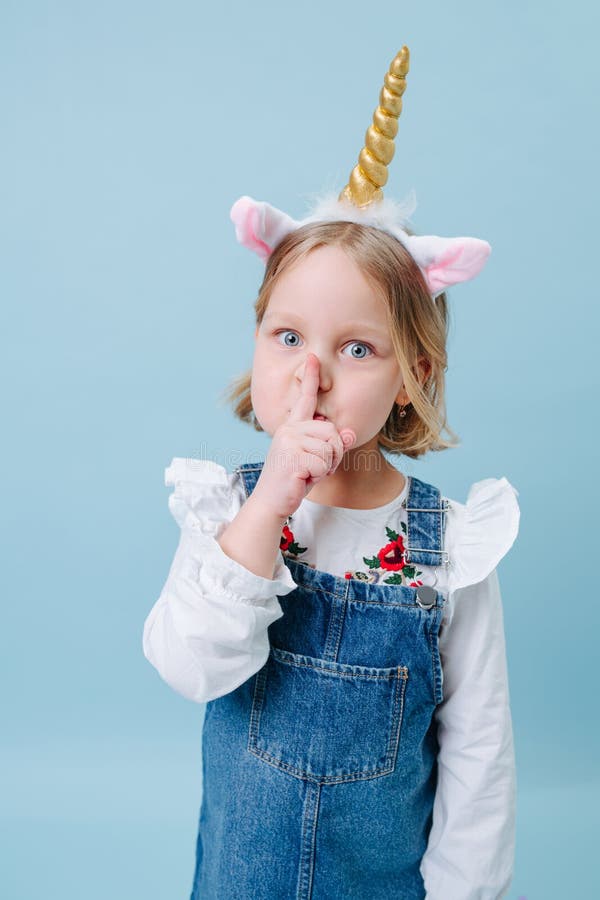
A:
[(207, 632)]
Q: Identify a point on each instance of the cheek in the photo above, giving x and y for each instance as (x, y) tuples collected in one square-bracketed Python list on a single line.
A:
[(259, 405), (264, 395), (376, 398), (257, 391)]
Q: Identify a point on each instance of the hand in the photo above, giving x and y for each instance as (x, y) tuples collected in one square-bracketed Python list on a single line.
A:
[(303, 450)]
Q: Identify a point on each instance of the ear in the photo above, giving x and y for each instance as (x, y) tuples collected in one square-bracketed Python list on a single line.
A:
[(447, 261), (260, 226), (424, 370), (402, 397)]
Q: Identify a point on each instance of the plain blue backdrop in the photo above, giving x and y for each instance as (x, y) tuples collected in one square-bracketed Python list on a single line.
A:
[(128, 130)]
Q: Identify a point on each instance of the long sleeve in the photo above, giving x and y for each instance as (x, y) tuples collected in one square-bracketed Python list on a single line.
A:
[(207, 632), (470, 854)]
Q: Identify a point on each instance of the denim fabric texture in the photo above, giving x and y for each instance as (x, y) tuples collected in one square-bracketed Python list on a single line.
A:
[(319, 772)]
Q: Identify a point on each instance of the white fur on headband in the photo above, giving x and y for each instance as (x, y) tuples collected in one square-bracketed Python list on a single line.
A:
[(387, 215), (442, 261)]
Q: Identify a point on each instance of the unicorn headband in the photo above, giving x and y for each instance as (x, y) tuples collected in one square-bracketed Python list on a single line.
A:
[(442, 261)]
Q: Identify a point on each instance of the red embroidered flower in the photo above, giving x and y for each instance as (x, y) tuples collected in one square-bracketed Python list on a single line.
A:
[(392, 555), (348, 575), (286, 539), (415, 583)]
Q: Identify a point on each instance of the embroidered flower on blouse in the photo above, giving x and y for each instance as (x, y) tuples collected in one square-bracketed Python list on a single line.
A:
[(288, 544), (389, 559)]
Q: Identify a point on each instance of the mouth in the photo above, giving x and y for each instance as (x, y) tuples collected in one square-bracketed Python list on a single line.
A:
[(320, 416)]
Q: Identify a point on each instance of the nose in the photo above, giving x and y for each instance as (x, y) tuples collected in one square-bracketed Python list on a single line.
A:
[(324, 374)]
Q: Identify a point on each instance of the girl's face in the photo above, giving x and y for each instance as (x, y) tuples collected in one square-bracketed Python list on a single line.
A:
[(325, 305)]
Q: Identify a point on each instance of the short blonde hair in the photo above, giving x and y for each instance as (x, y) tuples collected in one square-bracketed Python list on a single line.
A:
[(418, 329)]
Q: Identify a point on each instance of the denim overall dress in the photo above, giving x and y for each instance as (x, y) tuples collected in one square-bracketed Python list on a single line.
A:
[(319, 772)]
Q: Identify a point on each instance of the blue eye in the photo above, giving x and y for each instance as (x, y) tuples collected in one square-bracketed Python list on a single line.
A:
[(360, 344), (296, 340), (289, 332)]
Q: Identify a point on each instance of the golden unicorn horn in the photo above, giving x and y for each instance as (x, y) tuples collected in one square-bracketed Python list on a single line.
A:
[(369, 176)]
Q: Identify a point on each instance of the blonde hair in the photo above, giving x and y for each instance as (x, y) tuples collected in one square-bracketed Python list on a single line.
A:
[(418, 328)]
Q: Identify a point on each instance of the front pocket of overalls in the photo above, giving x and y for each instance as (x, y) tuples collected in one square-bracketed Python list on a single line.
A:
[(326, 721)]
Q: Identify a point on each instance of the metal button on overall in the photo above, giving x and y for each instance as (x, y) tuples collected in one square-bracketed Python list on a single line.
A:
[(426, 596)]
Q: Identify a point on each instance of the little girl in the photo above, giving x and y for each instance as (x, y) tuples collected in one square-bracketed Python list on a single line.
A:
[(342, 620)]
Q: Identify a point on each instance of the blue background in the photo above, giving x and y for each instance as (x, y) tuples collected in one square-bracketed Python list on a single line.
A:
[(128, 130)]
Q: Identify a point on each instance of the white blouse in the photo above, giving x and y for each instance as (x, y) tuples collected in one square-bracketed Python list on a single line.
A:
[(207, 634)]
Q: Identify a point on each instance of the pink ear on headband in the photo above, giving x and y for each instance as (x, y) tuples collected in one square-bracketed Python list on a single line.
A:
[(259, 226), (447, 261), (443, 261)]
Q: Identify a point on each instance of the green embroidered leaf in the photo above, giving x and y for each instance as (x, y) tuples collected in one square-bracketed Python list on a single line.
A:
[(403, 526), (295, 549), (373, 563), (393, 579), (393, 535), (409, 571)]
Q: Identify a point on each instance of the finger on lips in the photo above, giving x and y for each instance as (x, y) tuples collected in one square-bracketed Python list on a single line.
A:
[(306, 407), (306, 404)]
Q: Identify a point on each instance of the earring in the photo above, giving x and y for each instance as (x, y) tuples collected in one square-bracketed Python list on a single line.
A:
[(402, 412)]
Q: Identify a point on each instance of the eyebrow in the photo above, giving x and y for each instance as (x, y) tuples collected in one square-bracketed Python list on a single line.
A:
[(354, 326)]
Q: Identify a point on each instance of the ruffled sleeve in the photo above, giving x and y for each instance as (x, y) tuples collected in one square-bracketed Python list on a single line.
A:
[(207, 632), (481, 531), (469, 856), (471, 846), (205, 500)]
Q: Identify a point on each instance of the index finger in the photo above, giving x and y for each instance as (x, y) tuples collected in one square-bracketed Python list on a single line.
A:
[(306, 405)]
